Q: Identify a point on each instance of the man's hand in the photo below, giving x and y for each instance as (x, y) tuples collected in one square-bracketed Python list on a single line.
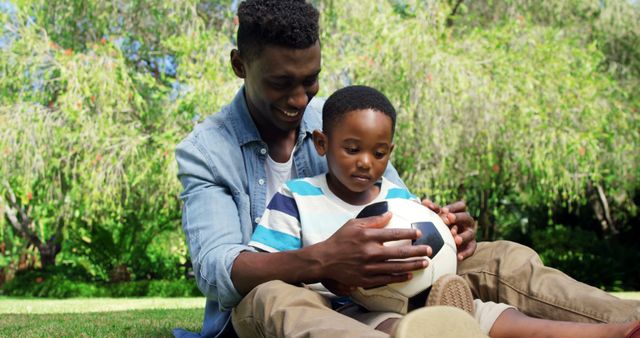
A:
[(338, 288), (461, 223), (355, 255)]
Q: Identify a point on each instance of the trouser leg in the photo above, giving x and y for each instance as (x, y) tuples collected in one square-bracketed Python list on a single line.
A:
[(278, 309), (507, 272)]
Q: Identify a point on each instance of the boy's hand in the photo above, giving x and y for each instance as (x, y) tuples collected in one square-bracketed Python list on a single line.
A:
[(355, 255), (461, 223)]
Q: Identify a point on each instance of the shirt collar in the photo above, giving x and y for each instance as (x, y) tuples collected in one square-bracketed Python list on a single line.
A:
[(245, 128)]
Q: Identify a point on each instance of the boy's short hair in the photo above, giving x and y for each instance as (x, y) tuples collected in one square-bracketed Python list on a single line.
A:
[(352, 98), (284, 23)]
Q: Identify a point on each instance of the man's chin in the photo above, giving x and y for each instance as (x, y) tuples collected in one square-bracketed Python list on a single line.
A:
[(288, 124)]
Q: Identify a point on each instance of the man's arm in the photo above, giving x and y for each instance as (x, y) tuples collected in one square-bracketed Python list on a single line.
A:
[(354, 255), (211, 223)]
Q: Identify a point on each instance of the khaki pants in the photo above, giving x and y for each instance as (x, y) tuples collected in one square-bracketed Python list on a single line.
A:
[(507, 272), (502, 272)]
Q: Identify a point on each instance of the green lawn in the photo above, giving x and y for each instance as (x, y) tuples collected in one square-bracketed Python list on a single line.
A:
[(102, 317), (627, 295), (109, 317), (80, 305)]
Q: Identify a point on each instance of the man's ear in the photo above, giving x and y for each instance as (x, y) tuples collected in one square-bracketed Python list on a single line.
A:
[(237, 64), (320, 141)]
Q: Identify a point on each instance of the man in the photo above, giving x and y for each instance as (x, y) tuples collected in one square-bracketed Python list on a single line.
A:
[(233, 162)]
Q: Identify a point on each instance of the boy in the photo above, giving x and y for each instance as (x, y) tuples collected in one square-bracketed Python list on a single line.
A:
[(357, 141)]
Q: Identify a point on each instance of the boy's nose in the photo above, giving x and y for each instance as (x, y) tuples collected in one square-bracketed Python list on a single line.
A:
[(364, 162)]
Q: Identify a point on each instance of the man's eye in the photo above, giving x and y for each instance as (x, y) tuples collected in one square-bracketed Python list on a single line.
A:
[(278, 85), (310, 82)]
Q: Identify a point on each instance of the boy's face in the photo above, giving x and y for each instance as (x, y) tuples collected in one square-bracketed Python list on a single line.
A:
[(357, 149), (279, 83)]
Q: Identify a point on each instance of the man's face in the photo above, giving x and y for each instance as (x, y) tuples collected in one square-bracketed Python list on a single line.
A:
[(357, 149), (279, 83)]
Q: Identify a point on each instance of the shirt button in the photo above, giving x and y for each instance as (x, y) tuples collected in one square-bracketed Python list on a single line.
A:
[(257, 220), (261, 181), (263, 151)]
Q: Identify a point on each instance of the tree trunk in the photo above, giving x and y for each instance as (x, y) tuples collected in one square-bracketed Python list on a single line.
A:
[(48, 252), (484, 220), (21, 221), (600, 206)]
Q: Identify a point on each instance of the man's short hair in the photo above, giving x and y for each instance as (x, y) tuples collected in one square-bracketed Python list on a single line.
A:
[(283, 23), (352, 98)]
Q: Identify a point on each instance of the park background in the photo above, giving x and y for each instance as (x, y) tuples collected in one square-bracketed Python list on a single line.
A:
[(527, 110)]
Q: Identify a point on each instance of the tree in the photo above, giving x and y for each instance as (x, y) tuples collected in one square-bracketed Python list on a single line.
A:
[(86, 145), (528, 110)]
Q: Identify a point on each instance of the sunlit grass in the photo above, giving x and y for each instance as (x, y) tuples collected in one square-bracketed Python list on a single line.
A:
[(99, 317), (627, 295), (83, 305), (110, 317), (132, 323)]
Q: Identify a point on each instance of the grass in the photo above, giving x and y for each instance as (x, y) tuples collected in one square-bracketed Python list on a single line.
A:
[(627, 295), (110, 317), (134, 323), (101, 317), (83, 305)]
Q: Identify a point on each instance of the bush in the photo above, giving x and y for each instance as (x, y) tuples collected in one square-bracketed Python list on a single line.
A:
[(47, 284), (597, 261)]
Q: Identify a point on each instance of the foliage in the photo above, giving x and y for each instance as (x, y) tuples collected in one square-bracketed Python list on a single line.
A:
[(73, 283), (601, 262), (87, 155), (527, 110)]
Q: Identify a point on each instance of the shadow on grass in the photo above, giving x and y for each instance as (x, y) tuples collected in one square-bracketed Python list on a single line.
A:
[(134, 323)]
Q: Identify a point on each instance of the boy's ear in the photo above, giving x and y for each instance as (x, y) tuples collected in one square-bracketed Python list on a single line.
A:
[(391, 148), (320, 141), (237, 64)]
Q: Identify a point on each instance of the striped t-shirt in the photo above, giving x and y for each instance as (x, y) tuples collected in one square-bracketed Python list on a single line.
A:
[(305, 211)]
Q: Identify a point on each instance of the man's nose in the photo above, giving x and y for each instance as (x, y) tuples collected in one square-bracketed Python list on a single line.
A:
[(298, 98)]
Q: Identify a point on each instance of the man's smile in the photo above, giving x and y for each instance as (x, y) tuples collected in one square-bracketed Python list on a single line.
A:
[(288, 113)]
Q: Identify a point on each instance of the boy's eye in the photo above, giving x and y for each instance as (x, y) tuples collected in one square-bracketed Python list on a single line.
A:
[(379, 154), (351, 150)]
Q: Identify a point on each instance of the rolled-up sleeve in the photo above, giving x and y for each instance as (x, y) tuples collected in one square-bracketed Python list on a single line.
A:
[(211, 223)]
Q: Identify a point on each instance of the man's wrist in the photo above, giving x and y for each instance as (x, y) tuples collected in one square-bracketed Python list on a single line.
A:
[(313, 260)]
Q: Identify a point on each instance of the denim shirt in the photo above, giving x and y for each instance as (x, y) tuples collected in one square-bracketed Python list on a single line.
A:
[(221, 165)]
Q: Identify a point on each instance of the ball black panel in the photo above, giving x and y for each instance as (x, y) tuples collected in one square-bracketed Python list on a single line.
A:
[(375, 209), (430, 236)]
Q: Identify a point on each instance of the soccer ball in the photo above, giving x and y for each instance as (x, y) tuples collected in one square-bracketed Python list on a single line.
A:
[(410, 214)]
